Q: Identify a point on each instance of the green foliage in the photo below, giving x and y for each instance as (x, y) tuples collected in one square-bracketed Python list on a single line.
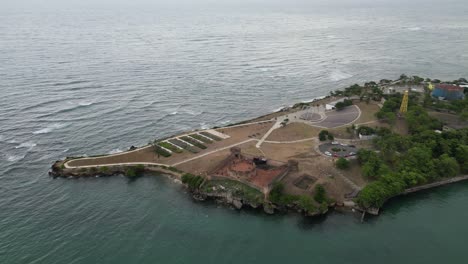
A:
[(193, 142), (202, 139), (320, 195), (325, 134), (306, 203), (419, 120), (366, 131), (408, 161), (104, 169), (160, 151), (192, 181), (134, 171), (341, 105), (342, 163)]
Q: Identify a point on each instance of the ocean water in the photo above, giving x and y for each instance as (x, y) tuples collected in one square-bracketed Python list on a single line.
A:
[(93, 77)]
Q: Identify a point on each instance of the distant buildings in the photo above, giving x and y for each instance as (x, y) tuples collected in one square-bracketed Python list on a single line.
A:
[(448, 92)]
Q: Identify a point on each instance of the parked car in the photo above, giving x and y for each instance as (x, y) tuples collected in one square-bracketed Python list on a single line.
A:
[(328, 153), (335, 143), (352, 153)]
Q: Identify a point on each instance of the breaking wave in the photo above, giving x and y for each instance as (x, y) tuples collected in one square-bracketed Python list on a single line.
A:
[(49, 129)]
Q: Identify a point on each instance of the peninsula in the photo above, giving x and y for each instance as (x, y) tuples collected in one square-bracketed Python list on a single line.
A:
[(355, 148)]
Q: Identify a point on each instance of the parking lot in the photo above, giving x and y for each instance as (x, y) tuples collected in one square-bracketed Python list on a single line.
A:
[(338, 149)]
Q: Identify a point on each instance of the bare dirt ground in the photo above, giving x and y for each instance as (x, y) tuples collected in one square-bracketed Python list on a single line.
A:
[(321, 169), (450, 120), (284, 152), (237, 134), (208, 163), (294, 131), (367, 112)]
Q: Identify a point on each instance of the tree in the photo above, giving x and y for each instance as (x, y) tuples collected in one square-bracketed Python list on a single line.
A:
[(342, 163), (447, 166), (323, 135), (320, 195)]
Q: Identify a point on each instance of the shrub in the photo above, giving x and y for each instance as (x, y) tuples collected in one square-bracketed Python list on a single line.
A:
[(342, 163), (134, 171), (104, 169), (192, 181), (306, 203), (324, 134), (320, 194)]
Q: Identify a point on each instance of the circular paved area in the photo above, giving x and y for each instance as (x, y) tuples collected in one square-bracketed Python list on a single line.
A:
[(339, 118), (336, 149), (314, 117)]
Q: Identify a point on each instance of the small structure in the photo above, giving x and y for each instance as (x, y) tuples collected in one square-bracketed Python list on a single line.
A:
[(448, 92), (257, 172)]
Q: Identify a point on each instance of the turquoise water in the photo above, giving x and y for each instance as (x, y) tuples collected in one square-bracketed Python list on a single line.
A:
[(93, 77)]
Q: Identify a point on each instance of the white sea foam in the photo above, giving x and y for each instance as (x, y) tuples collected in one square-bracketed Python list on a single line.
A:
[(115, 151), (338, 75), (13, 158), (414, 28), (49, 129), (28, 145), (204, 126), (85, 103), (174, 113)]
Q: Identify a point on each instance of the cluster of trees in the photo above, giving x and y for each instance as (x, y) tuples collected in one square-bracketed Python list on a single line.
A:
[(365, 130), (325, 134), (341, 105), (402, 162)]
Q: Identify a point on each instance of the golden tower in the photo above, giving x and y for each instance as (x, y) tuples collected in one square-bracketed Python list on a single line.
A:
[(404, 103)]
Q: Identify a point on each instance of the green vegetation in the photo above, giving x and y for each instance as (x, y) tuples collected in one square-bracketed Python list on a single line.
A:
[(192, 181), (209, 135), (342, 163), (422, 157), (325, 134), (304, 202), (160, 151), (202, 138), (193, 142), (184, 145), (320, 195), (104, 169), (366, 131), (237, 188), (341, 105), (169, 147), (134, 171)]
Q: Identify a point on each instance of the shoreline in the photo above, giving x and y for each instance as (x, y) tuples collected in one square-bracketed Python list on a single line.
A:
[(136, 160)]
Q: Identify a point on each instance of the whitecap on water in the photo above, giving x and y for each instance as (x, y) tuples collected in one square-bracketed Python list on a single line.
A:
[(85, 103), (115, 151), (413, 28), (338, 75), (29, 145), (13, 158), (49, 129)]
